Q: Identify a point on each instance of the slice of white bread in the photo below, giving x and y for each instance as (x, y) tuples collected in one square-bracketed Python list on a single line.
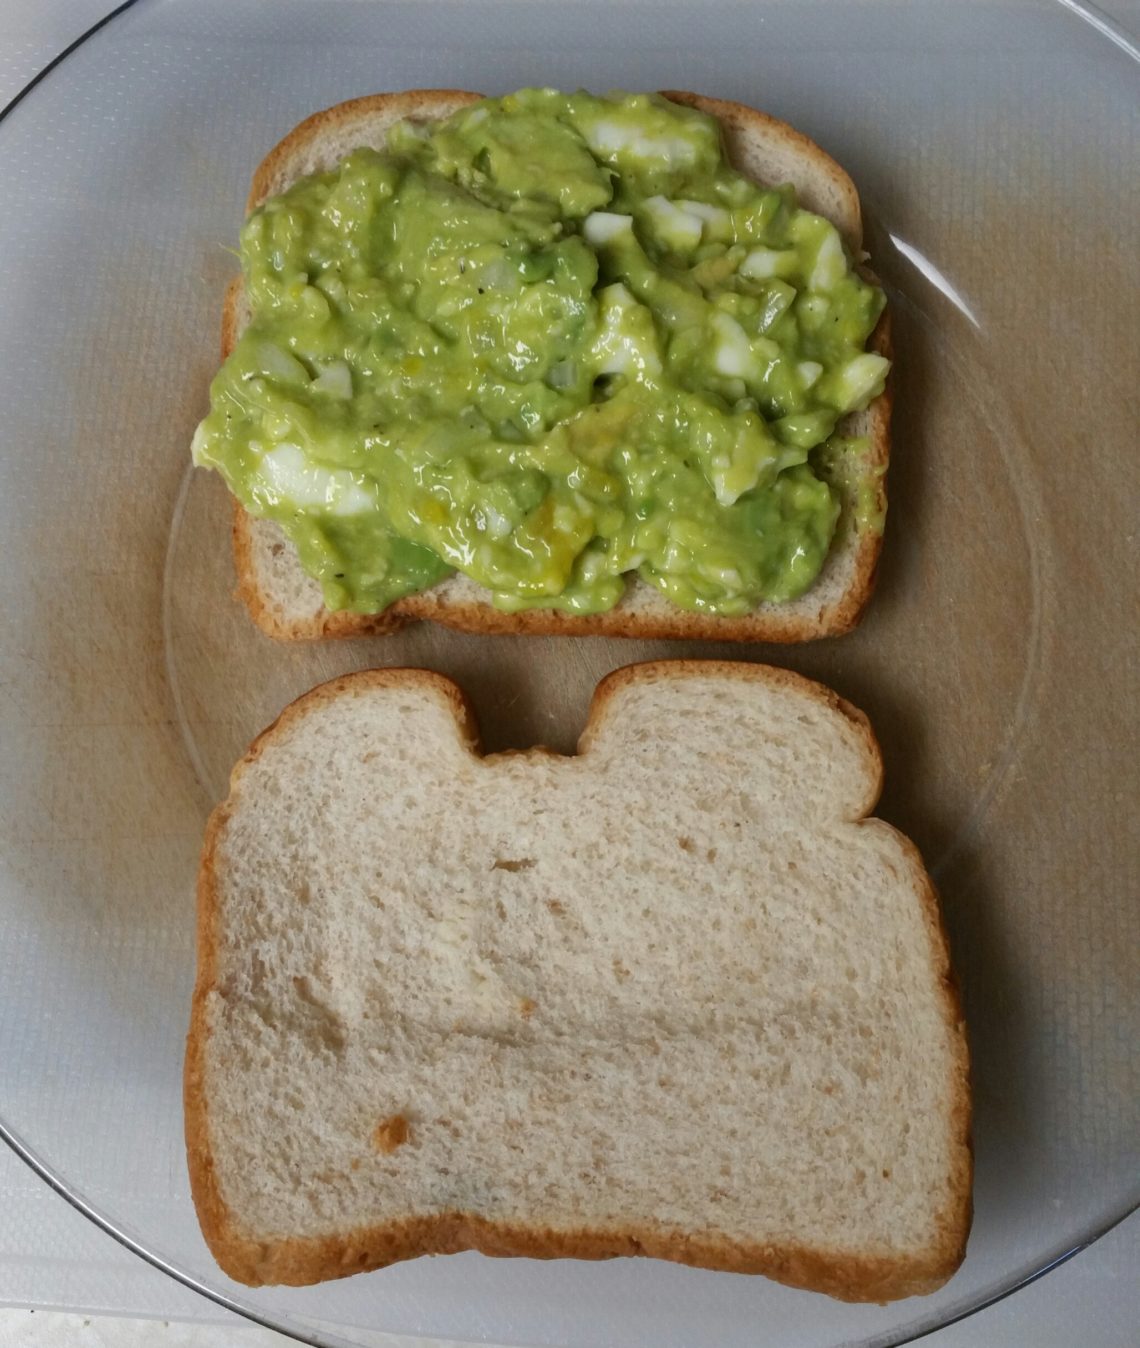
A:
[(285, 602), (675, 996)]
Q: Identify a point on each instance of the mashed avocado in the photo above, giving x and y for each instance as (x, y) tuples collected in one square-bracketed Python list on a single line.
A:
[(550, 341)]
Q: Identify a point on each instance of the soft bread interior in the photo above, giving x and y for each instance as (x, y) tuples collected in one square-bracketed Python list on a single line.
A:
[(674, 995)]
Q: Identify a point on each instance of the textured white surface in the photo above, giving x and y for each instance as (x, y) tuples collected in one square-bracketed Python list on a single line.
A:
[(51, 1256)]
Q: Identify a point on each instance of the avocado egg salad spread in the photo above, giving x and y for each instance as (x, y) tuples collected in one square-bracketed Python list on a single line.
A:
[(548, 342)]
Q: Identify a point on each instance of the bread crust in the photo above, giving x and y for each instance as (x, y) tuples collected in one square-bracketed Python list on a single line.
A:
[(776, 623), (296, 1261)]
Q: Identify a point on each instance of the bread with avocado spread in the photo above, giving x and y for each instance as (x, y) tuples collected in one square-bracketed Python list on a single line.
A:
[(555, 364)]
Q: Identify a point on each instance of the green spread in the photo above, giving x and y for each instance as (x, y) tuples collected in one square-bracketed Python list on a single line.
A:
[(549, 342)]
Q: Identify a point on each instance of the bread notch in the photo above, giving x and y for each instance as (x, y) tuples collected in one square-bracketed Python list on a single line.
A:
[(285, 602), (674, 996)]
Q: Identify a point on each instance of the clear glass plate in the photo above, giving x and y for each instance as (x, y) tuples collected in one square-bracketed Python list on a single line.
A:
[(995, 147)]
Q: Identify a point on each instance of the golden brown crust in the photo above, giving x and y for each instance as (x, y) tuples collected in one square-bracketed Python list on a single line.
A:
[(954, 1222), (300, 1261), (204, 1188), (765, 624)]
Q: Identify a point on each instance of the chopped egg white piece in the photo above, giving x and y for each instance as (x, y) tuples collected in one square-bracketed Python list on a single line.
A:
[(281, 365), (733, 355), (612, 138), (591, 565), (494, 522), (335, 379), (862, 378), (717, 222), (289, 473), (675, 227), (626, 343), (602, 226), (830, 263), (763, 263)]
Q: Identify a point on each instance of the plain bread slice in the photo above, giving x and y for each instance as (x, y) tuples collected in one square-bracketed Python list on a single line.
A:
[(674, 996)]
